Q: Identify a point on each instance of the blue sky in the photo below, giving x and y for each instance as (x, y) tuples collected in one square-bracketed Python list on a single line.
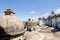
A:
[(34, 9)]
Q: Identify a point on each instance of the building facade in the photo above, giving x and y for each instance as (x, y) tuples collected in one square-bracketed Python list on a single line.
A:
[(41, 21), (58, 20), (54, 20)]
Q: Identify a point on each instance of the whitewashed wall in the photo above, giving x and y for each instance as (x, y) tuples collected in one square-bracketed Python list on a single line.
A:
[(54, 22), (58, 22), (41, 22), (58, 19), (49, 22)]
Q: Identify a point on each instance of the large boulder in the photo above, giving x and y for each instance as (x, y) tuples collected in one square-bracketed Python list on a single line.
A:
[(11, 25), (30, 25)]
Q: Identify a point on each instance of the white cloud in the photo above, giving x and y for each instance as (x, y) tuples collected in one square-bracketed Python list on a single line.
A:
[(45, 15), (33, 12), (57, 10)]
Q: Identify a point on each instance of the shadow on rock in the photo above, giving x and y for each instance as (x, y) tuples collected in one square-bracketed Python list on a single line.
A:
[(3, 34), (55, 30)]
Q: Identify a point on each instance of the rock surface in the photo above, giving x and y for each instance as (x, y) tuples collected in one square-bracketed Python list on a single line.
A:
[(36, 35), (11, 24)]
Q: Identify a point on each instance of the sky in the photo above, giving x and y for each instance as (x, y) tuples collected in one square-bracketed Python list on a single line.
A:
[(33, 9)]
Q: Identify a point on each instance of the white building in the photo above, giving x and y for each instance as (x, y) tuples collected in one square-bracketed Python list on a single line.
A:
[(41, 21), (54, 20), (58, 20)]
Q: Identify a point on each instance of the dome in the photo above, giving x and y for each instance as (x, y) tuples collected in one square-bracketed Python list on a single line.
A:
[(11, 25)]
